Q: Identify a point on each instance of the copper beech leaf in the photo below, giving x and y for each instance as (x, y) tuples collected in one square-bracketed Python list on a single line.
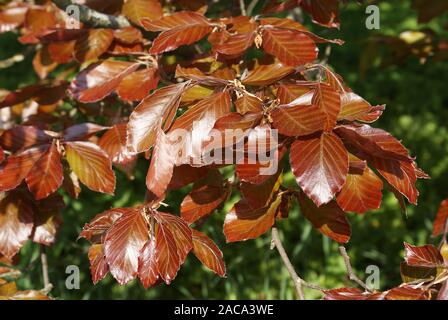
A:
[(167, 258), (424, 256), (18, 166), (298, 120), (47, 219), (267, 74), (98, 264), (178, 29), (156, 111), (208, 253), (162, 165), (291, 47), (243, 222), (441, 219), (93, 44), (147, 265), (136, 10), (236, 44), (113, 142), (137, 85), (361, 192), (91, 165), (206, 196), (82, 131), (101, 79), (248, 103), (320, 165), (323, 12), (407, 292), (124, 241), (47, 174), (355, 108), (22, 137), (16, 223), (329, 219)]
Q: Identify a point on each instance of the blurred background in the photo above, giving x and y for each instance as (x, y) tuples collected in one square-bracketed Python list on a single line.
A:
[(403, 65)]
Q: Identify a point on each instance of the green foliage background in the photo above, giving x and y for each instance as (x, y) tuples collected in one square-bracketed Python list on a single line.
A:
[(417, 111)]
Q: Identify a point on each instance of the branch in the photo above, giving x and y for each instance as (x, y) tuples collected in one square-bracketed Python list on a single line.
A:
[(243, 8), (298, 282), (94, 18), (352, 276), (251, 7), (44, 262)]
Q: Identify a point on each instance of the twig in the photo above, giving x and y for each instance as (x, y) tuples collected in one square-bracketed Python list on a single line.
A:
[(298, 282), (352, 276), (243, 8), (94, 18), (251, 7), (12, 274), (44, 262)]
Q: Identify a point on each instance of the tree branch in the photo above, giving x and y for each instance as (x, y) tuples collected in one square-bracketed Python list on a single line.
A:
[(298, 282), (352, 276), (243, 8), (44, 262), (94, 18)]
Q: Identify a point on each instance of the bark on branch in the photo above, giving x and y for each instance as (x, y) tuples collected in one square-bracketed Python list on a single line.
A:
[(352, 276), (298, 282), (94, 18)]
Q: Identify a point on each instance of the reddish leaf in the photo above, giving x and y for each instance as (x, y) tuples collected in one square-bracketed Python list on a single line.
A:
[(301, 120), (243, 223), (329, 219), (93, 44), (99, 80), (91, 165), (98, 263), (123, 244), (236, 44), (43, 63), (18, 166), (208, 253), (424, 256), (206, 196), (400, 175), (147, 265), (46, 175), (441, 219), (167, 258), (328, 100), (361, 192), (201, 117), (248, 103), (178, 29), (291, 47), (287, 93), (47, 219), (61, 52), (12, 17), (355, 108), (373, 142), (128, 36), (137, 85), (267, 74), (113, 142), (136, 10), (95, 231), (22, 137), (181, 233), (16, 224), (408, 293), (323, 12), (157, 110), (82, 131), (162, 164), (351, 294), (320, 165)]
